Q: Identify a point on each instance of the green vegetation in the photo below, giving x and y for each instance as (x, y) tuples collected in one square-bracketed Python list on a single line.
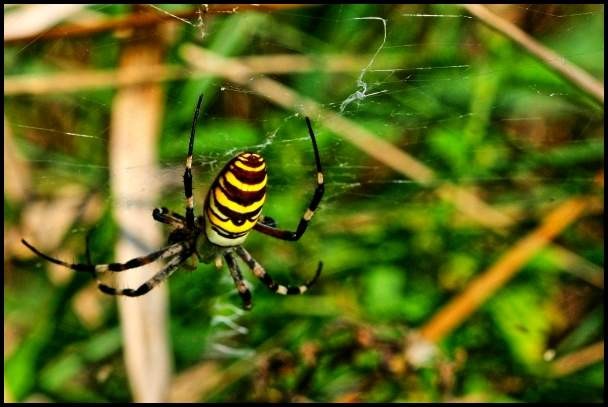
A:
[(463, 100)]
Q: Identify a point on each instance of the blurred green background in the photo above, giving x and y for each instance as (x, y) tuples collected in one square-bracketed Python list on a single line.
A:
[(460, 98)]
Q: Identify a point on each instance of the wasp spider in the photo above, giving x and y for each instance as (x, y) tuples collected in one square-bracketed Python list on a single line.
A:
[(232, 209)]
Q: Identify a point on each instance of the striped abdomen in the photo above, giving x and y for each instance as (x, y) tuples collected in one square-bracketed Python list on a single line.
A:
[(235, 199)]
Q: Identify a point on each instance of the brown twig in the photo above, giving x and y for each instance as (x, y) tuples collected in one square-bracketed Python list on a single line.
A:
[(136, 113), (578, 360), (138, 20), (556, 62), (482, 287)]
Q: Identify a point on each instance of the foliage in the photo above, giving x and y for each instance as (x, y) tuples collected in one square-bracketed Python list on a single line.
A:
[(394, 252)]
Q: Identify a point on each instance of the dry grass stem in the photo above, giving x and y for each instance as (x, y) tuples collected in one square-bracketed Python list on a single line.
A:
[(578, 360), (83, 80), (16, 170), (32, 19), (136, 115), (579, 266), (482, 287), (556, 62)]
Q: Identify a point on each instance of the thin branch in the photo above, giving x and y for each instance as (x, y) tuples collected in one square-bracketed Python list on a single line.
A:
[(482, 287), (578, 360), (136, 20), (558, 63)]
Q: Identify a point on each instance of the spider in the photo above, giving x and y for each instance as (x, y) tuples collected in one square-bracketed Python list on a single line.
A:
[(232, 209)]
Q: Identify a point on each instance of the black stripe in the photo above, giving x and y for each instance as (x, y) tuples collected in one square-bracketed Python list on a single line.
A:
[(219, 215), (266, 279), (128, 292), (245, 176), (226, 234), (166, 211), (238, 281), (239, 196), (317, 197), (238, 218), (188, 193), (76, 267), (188, 183)]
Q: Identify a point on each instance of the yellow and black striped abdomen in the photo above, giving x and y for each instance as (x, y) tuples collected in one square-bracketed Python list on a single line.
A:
[(235, 199)]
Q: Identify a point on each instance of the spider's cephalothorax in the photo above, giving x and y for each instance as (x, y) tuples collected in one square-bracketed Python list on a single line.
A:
[(232, 209)]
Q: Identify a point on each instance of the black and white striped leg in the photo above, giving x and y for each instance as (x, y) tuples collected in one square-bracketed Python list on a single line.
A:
[(271, 230), (169, 217), (158, 278), (260, 273), (235, 272), (163, 253), (188, 170)]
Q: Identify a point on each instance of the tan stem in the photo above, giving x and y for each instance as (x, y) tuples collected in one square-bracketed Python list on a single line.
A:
[(556, 62)]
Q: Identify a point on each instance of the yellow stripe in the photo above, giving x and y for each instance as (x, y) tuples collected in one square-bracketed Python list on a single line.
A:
[(216, 210), (232, 179), (229, 226), (240, 164), (223, 200)]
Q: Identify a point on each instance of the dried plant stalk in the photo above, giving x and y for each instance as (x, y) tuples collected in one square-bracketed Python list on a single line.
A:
[(136, 114), (556, 62), (578, 360), (81, 80), (482, 287)]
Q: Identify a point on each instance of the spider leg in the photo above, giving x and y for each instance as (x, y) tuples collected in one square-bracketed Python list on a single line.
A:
[(235, 272), (169, 217), (159, 277), (268, 221), (188, 170), (260, 273), (271, 230), (163, 253)]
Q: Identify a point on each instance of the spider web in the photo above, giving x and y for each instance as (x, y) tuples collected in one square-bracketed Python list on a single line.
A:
[(399, 91)]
